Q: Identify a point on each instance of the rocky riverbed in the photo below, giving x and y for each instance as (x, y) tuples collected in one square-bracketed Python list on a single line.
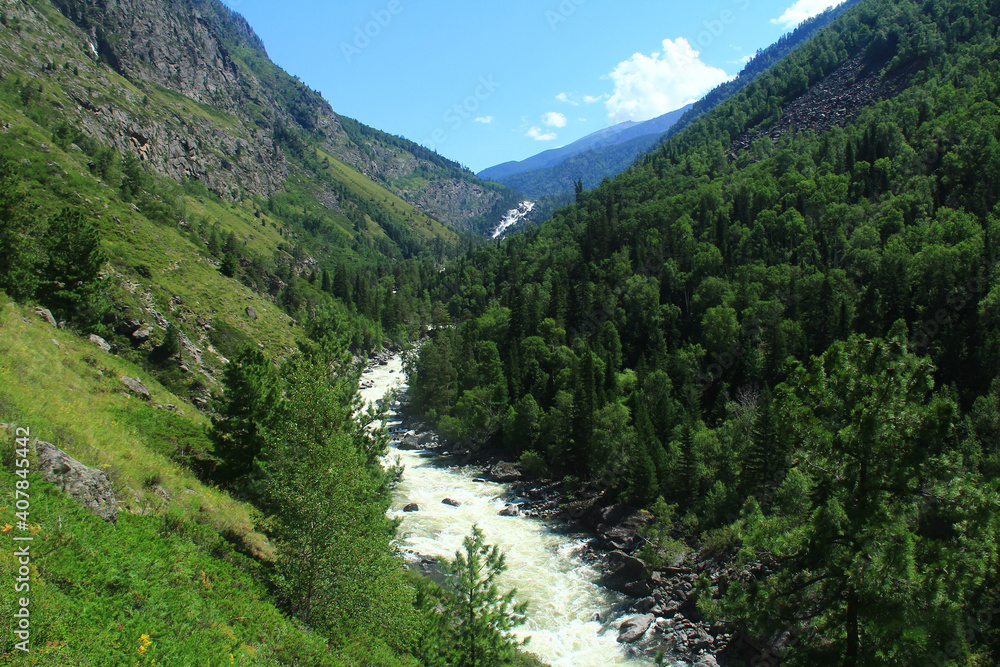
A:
[(651, 615)]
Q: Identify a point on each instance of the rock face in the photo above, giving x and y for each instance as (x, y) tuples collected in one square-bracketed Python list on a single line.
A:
[(136, 387), (88, 486), (634, 628), (834, 101), (210, 54)]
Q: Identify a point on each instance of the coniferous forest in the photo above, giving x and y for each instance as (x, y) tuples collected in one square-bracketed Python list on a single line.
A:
[(775, 339), (791, 344)]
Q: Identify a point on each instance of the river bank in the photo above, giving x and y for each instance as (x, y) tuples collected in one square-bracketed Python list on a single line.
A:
[(572, 619), (630, 617)]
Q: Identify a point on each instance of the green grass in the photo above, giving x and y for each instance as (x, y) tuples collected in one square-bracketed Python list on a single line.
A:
[(96, 589), (71, 394), (424, 224)]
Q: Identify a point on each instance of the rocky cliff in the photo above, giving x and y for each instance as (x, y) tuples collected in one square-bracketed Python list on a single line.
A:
[(203, 101)]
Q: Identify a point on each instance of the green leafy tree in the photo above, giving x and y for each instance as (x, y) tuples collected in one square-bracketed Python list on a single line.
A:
[(326, 503), (230, 265), (484, 616)]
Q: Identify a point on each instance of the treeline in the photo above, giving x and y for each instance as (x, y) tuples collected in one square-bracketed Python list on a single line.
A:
[(798, 349)]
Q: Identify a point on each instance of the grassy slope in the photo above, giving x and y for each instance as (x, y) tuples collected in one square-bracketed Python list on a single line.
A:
[(165, 570)]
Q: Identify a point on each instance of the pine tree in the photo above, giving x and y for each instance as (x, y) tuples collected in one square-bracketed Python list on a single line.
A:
[(70, 280), (485, 617), (20, 231), (242, 414)]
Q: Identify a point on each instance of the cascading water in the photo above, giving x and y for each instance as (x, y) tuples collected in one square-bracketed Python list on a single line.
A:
[(545, 567)]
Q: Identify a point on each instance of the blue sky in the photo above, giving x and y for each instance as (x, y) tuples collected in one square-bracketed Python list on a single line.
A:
[(487, 82)]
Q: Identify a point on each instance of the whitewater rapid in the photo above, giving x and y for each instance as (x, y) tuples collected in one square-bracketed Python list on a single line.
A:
[(544, 566)]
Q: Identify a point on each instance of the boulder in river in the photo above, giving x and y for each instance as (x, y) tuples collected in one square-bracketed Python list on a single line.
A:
[(451, 501), (634, 628), (510, 510), (503, 472), (412, 507)]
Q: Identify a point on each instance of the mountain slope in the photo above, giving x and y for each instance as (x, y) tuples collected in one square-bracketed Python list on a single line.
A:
[(173, 205), (609, 136), (200, 49), (786, 347)]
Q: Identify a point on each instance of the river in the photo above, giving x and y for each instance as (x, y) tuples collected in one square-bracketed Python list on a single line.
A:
[(544, 566)]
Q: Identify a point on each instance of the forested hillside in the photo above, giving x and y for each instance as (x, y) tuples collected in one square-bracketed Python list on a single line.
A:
[(196, 258), (793, 341)]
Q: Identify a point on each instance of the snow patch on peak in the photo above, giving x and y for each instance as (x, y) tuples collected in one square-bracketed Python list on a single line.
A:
[(513, 217)]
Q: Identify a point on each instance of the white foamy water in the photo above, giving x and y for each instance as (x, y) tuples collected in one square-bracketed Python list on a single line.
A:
[(545, 567)]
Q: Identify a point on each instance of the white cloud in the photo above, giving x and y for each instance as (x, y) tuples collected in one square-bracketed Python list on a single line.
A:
[(802, 10), (590, 99), (538, 134), (563, 97), (650, 86), (554, 119), (485, 120)]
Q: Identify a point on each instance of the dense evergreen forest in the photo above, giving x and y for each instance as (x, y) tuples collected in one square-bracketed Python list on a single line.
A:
[(791, 350)]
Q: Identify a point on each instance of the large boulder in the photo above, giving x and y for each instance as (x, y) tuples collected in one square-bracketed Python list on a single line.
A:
[(510, 510), (503, 472), (88, 486), (142, 335), (46, 315), (625, 566), (128, 327), (100, 342), (634, 628), (412, 507), (136, 387), (451, 501)]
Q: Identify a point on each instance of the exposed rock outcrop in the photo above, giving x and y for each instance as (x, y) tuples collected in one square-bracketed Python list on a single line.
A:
[(88, 486), (136, 387)]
